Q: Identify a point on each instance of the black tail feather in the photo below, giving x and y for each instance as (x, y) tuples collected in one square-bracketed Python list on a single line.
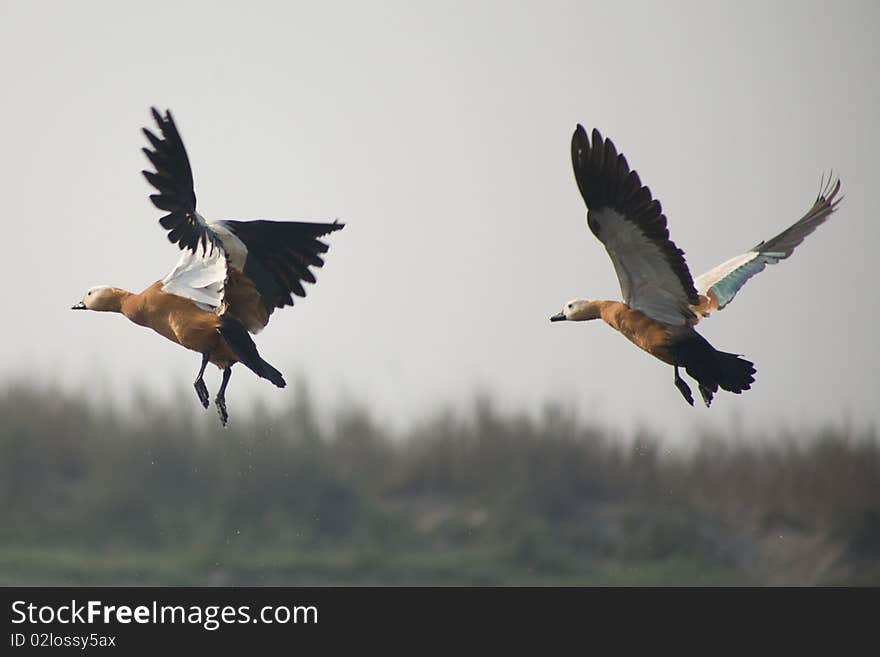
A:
[(712, 368), (245, 350), (735, 373)]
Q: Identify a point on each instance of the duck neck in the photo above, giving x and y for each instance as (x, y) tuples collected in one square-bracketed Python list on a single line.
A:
[(131, 305), (114, 300), (591, 310)]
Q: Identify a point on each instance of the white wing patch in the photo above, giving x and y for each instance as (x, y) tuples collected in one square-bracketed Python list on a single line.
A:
[(726, 279), (647, 281), (199, 277), (705, 281), (236, 251)]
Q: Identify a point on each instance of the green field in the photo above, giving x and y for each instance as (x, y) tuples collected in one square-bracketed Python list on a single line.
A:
[(92, 497)]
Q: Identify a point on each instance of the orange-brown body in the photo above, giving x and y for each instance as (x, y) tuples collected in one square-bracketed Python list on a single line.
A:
[(177, 318), (646, 333), (678, 345)]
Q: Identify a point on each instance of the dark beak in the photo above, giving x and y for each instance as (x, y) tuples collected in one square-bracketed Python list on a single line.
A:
[(558, 317), (79, 306)]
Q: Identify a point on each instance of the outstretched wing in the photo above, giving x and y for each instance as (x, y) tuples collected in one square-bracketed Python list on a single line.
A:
[(200, 273), (173, 181), (722, 283), (269, 262), (245, 268), (653, 275)]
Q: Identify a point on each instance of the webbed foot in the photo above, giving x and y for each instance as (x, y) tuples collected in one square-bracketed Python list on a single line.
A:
[(199, 385), (685, 389), (707, 395), (201, 391), (220, 403)]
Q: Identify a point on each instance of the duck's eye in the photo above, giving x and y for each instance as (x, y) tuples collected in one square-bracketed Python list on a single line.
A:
[(570, 306), (89, 294)]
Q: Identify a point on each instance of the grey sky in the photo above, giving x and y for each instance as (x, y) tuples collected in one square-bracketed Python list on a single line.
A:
[(439, 132)]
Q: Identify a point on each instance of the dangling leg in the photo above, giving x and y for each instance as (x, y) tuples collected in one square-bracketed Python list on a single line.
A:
[(707, 395), (683, 388), (220, 401), (201, 388)]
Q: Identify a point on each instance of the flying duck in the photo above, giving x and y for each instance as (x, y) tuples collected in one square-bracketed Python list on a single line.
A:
[(230, 278), (661, 302)]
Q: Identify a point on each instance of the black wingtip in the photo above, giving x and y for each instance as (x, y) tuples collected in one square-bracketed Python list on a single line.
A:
[(594, 144), (604, 179), (165, 122), (831, 190), (172, 175)]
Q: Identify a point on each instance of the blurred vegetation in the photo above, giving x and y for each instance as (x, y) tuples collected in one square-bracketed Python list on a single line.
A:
[(162, 496)]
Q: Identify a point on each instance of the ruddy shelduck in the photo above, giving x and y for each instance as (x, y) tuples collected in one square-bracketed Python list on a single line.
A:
[(661, 302), (230, 278)]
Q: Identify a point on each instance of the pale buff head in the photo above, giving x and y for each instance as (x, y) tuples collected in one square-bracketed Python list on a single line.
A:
[(102, 298), (577, 310)]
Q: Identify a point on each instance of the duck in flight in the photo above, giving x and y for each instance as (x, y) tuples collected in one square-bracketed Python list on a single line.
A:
[(230, 278), (661, 302)]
